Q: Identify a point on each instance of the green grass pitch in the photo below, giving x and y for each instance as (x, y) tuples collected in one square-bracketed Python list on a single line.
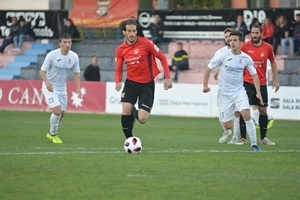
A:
[(181, 159)]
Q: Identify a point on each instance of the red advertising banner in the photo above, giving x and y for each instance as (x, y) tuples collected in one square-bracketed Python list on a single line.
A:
[(27, 95), (102, 13)]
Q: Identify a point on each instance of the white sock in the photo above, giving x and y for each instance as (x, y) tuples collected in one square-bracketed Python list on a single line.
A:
[(250, 126), (54, 123), (255, 115), (236, 128)]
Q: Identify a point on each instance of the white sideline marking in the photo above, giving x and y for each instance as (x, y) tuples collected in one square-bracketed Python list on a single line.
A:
[(84, 150)]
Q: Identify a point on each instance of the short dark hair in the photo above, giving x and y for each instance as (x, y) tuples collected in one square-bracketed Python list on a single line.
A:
[(237, 33), (64, 36), (257, 26), (130, 21), (228, 30)]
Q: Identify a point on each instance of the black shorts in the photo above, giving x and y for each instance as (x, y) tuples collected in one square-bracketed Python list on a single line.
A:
[(142, 91), (251, 92)]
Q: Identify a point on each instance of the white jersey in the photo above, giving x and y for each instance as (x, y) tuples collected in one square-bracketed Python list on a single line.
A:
[(58, 66), (225, 48), (231, 70)]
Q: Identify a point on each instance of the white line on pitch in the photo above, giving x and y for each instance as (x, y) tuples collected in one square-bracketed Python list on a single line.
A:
[(114, 151)]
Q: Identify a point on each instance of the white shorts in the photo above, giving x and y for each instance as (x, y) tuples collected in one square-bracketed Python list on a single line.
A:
[(230, 104), (55, 98)]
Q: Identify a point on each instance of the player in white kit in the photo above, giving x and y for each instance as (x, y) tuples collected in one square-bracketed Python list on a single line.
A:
[(54, 73), (231, 94)]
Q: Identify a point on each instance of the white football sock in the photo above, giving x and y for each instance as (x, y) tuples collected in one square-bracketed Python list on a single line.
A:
[(54, 123), (255, 115), (250, 126), (236, 128)]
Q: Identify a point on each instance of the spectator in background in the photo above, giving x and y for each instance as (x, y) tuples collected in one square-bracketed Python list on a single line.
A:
[(255, 21), (71, 29), (157, 30), (268, 31), (12, 32), (92, 72), (240, 25), (282, 37), (296, 35), (25, 33), (180, 60)]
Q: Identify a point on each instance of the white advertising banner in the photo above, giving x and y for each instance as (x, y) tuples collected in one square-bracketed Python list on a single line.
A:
[(189, 100), (184, 100), (285, 103)]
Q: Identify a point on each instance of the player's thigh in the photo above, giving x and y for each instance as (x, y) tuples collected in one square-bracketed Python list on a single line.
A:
[(226, 108), (241, 101), (251, 93), (63, 99), (146, 98), (129, 93), (51, 98)]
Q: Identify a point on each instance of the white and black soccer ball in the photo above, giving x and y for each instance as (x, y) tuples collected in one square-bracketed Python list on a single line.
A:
[(133, 145)]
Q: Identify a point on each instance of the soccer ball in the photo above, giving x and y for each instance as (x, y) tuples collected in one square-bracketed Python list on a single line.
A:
[(133, 145)]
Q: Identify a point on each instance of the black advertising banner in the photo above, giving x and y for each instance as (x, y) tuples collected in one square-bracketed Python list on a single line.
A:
[(45, 24), (205, 23)]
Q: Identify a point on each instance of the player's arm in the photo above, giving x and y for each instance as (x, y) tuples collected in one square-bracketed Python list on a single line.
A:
[(255, 78), (77, 83), (44, 68), (46, 81), (205, 80), (257, 88), (161, 56), (119, 71), (76, 71), (275, 75)]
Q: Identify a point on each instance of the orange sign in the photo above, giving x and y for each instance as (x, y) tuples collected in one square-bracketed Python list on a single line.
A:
[(102, 13)]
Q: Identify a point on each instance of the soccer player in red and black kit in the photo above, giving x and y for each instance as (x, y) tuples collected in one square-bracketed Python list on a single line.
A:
[(260, 52), (139, 54)]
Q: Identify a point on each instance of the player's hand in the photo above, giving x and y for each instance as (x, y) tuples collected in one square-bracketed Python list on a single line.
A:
[(49, 87), (168, 84), (78, 92), (260, 99), (118, 86), (206, 89), (276, 85)]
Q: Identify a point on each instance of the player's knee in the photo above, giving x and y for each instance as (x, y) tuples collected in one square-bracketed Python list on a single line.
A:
[(143, 120), (227, 125), (57, 112)]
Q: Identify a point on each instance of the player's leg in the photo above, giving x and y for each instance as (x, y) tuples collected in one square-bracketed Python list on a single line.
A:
[(54, 104), (127, 119), (242, 104), (263, 123), (226, 113), (263, 116), (255, 114), (146, 99), (250, 126), (236, 128), (250, 91), (128, 99), (243, 131)]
